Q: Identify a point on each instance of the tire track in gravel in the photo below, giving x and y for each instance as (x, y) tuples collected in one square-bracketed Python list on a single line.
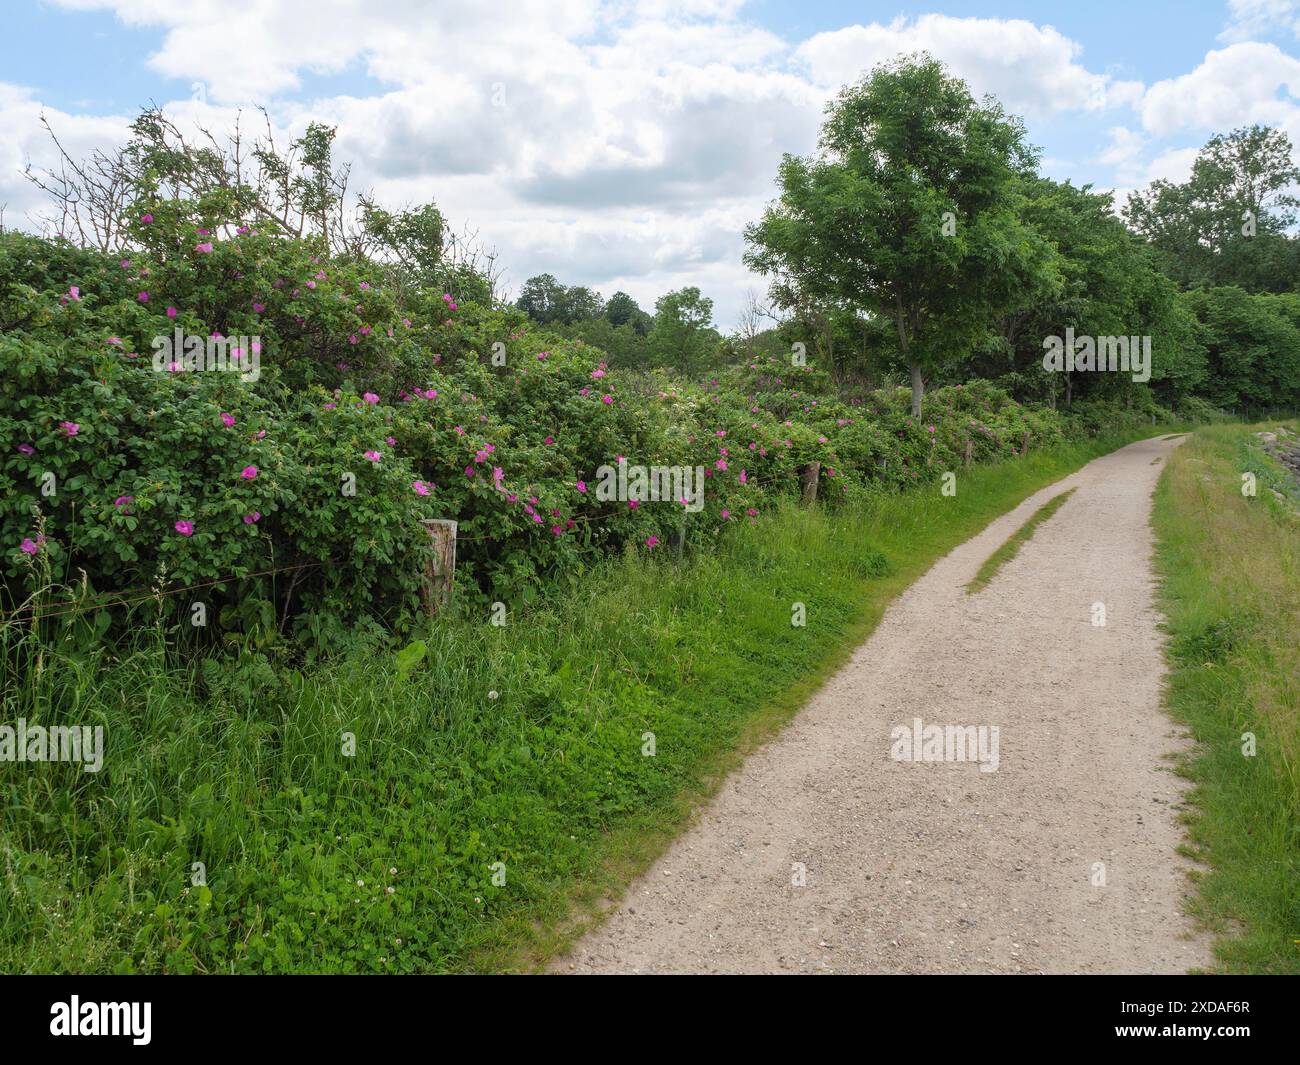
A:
[(921, 867)]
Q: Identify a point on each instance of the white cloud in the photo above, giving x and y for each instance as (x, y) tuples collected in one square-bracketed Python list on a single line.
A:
[(1234, 86), (1031, 69), (1256, 18)]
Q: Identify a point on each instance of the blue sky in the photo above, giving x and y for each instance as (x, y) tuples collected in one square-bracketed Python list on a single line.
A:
[(625, 144)]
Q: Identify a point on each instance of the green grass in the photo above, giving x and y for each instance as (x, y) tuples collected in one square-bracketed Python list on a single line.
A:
[(1015, 542), (239, 764), (1230, 569)]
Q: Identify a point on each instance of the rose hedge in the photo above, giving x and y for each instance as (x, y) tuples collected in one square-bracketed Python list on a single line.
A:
[(368, 414)]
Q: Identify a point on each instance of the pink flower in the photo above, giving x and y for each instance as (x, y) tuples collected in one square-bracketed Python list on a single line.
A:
[(227, 419), (205, 248), (726, 515), (311, 284), (185, 528), (259, 307), (751, 512), (26, 449), (74, 293), (469, 471), (123, 501), (743, 477), (581, 486), (69, 428), (721, 464), (632, 504), (253, 518), (542, 356), (370, 397), (607, 399), (390, 441), (421, 489), (125, 264), (652, 541), (372, 455), (28, 546), (556, 530), (249, 473), (171, 312), (145, 219), (549, 440), (597, 374), (330, 406), (143, 297)]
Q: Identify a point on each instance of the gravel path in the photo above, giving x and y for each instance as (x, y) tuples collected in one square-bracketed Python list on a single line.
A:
[(934, 866)]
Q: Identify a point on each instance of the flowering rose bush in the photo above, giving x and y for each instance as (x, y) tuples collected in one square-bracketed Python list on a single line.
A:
[(295, 480)]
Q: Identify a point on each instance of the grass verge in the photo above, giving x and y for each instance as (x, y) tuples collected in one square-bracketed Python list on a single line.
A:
[(1230, 571), (472, 811)]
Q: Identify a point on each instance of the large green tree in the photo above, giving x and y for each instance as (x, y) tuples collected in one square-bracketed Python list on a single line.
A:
[(1227, 224), (908, 211)]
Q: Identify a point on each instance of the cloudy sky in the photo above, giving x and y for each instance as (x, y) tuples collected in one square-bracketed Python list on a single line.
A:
[(624, 145)]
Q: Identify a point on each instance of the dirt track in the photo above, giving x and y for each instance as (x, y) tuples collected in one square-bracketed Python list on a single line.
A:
[(917, 867)]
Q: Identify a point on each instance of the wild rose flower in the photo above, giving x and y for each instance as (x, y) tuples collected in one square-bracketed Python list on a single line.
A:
[(584, 391), (205, 248), (370, 397), (227, 419), (372, 455), (556, 530), (116, 341), (253, 518), (607, 399), (469, 471), (26, 449), (542, 356), (597, 374), (249, 473), (143, 297), (751, 512), (726, 515), (259, 307), (28, 546), (123, 501), (652, 541), (330, 406), (311, 284), (744, 477), (721, 464), (549, 440), (581, 486), (421, 489), (632, 504), (70, 428), (391, 441), (146, 218), (125, 264), (185, 528)]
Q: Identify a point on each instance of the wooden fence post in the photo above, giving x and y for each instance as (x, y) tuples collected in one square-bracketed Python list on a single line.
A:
[(811, 473), (440, 568), (1024, 443), (970, 447)]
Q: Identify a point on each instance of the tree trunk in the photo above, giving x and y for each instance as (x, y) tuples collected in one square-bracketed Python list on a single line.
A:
[(918, 390)]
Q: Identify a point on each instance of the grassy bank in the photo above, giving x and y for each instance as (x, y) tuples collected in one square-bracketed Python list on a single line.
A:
[(499, 788), (1230, 566)]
